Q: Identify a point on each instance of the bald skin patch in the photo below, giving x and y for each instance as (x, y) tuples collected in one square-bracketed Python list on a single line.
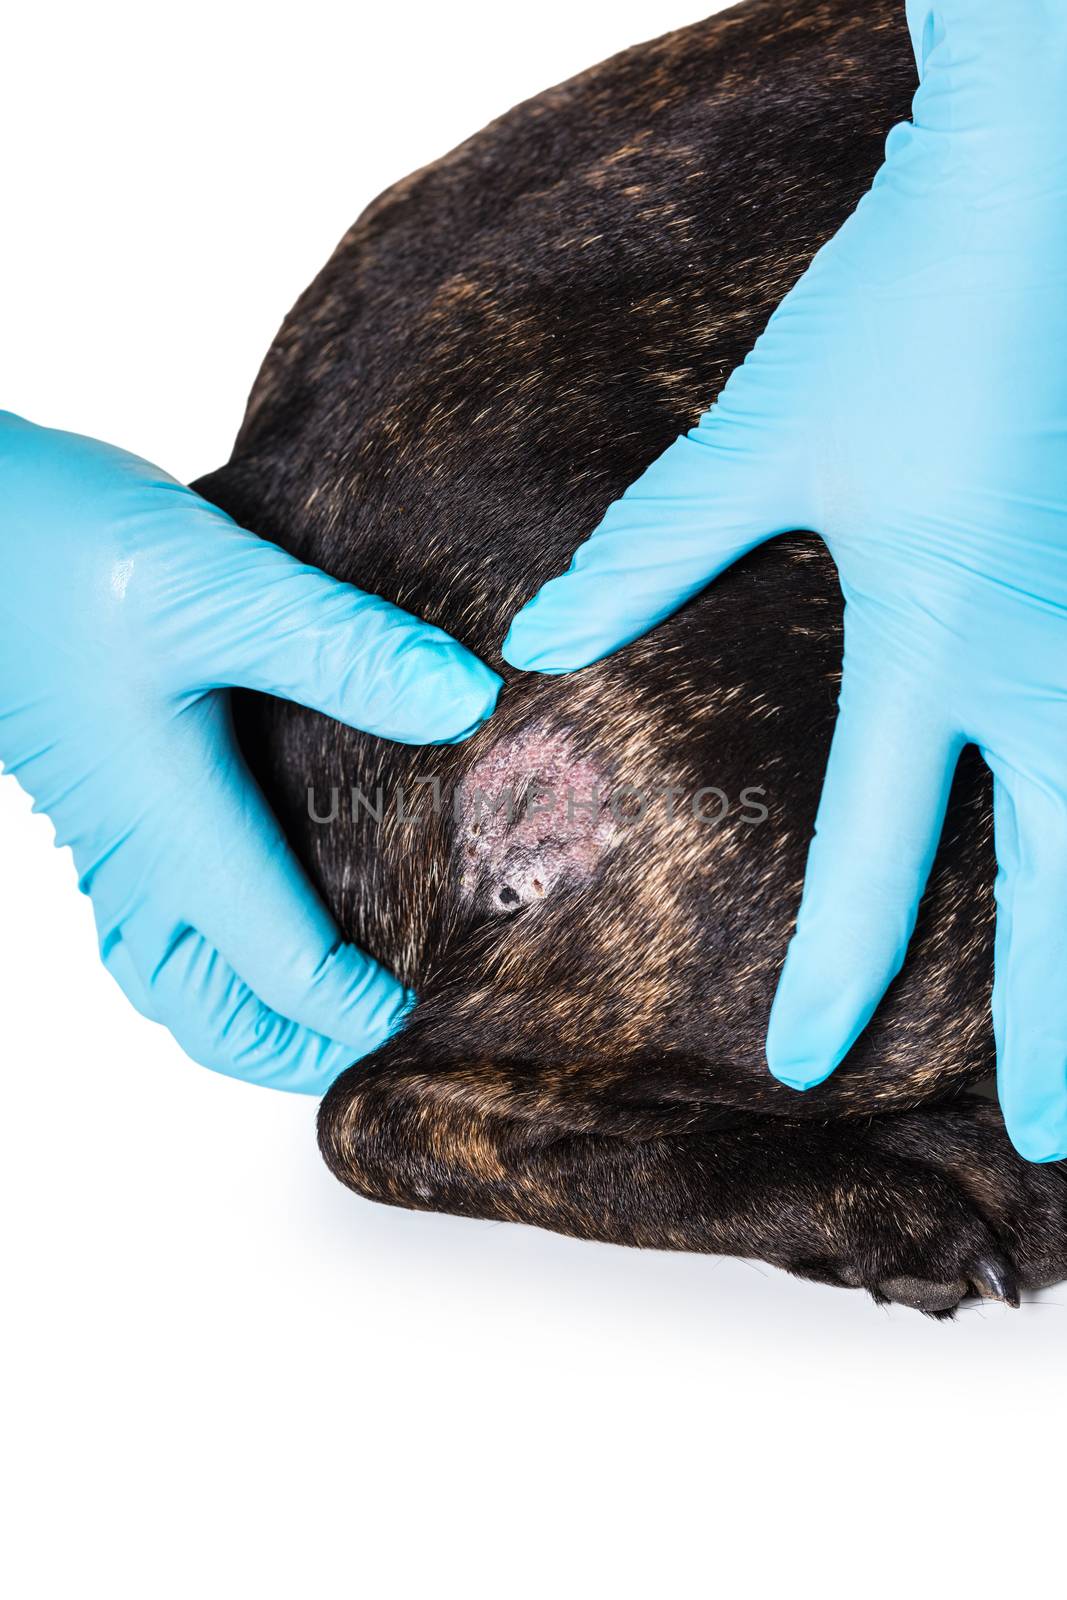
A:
[(534, 815)]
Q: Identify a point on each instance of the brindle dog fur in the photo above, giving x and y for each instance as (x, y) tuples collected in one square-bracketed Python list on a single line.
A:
[(500, 345)]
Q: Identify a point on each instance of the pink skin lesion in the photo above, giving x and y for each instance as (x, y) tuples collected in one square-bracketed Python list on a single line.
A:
[(533, 816)]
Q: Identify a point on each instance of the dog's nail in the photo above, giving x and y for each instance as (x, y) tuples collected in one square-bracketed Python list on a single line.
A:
[(994, 1280)]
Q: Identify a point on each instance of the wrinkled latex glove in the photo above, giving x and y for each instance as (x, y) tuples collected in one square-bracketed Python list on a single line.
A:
[(908, 402), (128, 606)]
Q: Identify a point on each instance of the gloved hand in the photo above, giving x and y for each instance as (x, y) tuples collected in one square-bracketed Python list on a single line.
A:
[(128, 605), (907, 401)]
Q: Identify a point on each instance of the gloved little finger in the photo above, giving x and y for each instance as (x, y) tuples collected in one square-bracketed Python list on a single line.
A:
[(1030, 963), (117, 959), (242, 886), (220, 1023)]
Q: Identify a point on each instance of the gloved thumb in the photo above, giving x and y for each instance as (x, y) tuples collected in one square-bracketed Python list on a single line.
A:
[(720, 490)]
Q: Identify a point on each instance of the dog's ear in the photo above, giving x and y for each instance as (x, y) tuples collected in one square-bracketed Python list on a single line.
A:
[(431, 1123), (407, 1131)]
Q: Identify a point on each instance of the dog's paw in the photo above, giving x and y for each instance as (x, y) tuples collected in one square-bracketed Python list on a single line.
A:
[(908, 1234), (935, 1208), (1022, 1206)]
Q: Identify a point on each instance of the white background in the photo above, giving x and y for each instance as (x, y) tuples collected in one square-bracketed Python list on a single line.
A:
[(222, 1373)]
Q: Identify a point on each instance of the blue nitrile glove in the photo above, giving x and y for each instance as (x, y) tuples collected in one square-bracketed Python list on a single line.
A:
[(907, 401), (128, 605)]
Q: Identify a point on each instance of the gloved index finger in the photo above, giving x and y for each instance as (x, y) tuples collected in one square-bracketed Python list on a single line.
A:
[(265, 621)]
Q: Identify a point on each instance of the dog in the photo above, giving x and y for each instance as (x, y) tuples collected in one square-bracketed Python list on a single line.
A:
[(592, 897)]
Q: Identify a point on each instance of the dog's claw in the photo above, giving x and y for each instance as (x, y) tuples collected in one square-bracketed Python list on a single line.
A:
[(994, 1279)]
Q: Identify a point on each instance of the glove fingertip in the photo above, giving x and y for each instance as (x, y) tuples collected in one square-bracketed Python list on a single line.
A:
[(806, 1040), (472, 706), (528, 655), (553, 647), (440, 694), (800, 1077), (1040, 1137), (120, 965)]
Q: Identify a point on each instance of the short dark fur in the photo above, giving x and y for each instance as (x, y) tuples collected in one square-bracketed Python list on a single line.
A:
[(497, 348)]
